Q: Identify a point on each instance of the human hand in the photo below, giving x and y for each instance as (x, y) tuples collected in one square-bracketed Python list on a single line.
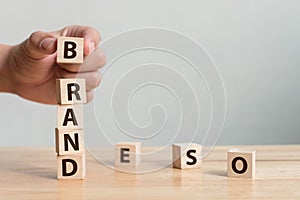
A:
[(30, 68)]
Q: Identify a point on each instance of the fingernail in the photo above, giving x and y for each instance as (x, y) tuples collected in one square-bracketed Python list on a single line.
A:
[(92, 47), (47, 43)]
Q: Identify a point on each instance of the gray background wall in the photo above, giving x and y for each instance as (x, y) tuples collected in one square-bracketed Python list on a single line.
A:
[(255, 45)]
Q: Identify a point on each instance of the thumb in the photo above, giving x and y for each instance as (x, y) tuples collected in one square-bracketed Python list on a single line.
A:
[(39, 45)]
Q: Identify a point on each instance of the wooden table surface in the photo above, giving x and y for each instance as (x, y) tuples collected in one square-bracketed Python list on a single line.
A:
[(30, 173)]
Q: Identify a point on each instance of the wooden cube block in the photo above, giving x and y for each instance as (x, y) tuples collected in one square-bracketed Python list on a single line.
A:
[(70, 91), (70, 50), (71, 166), (70, 117), (127, 153), (186, 155), (240, 163), (69, 142)]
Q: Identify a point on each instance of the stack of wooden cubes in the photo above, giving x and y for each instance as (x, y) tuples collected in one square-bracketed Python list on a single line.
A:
[(71, 97)]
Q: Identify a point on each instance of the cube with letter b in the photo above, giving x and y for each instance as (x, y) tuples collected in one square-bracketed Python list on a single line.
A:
[(186, 155), (127, 153), (70, 50), (240, 163)]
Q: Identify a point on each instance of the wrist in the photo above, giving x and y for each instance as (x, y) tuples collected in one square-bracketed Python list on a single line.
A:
[(6, 83)]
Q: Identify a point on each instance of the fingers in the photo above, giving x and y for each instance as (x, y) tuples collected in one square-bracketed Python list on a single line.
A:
[(39, 45), (90, 95), (94, 58), (93, 62), (91, 36), (92, 78)]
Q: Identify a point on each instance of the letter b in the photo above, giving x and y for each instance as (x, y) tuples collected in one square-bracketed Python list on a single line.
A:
[(70, 49)]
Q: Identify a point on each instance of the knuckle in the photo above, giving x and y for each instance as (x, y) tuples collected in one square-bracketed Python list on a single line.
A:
[(71, 68), (90, 95), (102, 60), (35, 35), (95, 79), (98, 35)]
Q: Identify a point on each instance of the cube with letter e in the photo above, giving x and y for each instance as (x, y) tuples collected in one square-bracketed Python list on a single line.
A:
[(127, 153)]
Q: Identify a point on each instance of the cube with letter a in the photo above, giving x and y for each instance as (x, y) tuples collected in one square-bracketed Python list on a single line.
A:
[(70, 117)]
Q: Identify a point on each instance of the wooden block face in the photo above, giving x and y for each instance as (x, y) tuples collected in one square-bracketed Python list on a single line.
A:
[(186, 155), (71, 167), (70, 117), (240, 163), (127, 154), (70, 91), (70, 50), (69, 142)]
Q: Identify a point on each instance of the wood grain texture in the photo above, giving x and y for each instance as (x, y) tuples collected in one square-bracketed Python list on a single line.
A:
[(30, 173)]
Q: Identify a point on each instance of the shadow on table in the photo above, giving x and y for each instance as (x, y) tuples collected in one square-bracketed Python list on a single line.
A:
[(217, 173)]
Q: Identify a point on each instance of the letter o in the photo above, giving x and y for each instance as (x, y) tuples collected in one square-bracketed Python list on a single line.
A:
[(245, 165)]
